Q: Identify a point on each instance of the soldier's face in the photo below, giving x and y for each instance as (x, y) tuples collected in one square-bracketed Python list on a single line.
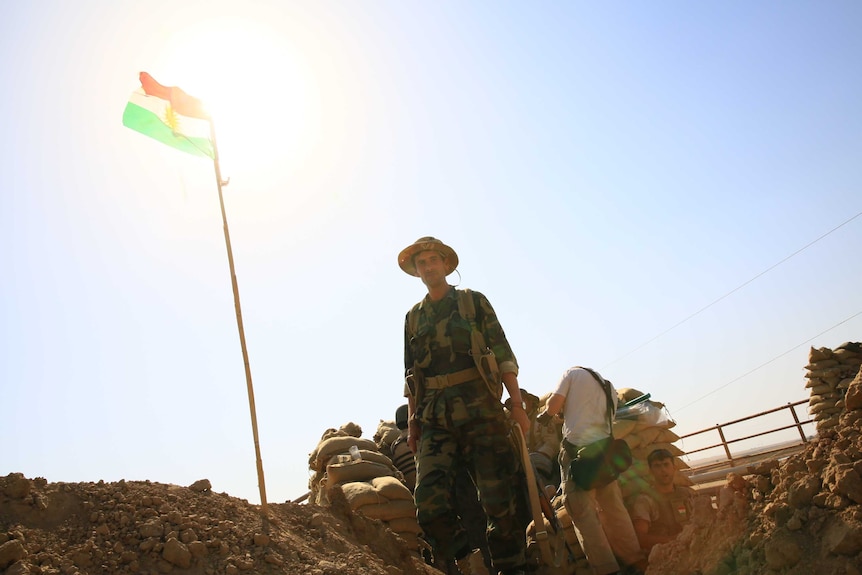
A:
[(663, 471), (431, 267)]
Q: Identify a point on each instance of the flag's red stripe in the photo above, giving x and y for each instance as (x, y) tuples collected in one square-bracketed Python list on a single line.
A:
[(181, 102), (153, 88)]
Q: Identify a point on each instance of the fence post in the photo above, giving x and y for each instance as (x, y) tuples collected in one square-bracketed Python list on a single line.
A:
[(796, 419), (724, 443)]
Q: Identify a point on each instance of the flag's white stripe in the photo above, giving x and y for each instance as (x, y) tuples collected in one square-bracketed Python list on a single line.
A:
[(192, 127)]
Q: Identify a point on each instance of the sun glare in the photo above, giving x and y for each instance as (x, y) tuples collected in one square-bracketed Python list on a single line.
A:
[(251, 83)]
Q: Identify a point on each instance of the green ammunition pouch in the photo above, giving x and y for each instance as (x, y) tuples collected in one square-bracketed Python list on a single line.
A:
[(483, 356)]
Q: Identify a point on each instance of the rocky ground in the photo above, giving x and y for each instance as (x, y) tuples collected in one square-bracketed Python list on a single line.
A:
[(147, 528), (802, 516)]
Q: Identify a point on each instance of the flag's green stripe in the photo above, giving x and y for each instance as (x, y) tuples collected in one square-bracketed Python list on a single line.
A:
[(144, 121)]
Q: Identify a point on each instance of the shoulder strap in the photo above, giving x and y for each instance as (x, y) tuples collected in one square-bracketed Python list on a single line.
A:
[(466, 307), (607, 388), (482, 355)]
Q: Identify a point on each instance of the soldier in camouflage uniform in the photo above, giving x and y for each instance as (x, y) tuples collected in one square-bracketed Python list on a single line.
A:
[(456, 418)]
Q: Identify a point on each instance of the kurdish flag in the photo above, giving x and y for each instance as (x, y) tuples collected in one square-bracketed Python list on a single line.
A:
[(171, 116)]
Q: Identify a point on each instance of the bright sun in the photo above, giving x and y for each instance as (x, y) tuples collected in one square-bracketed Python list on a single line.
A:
[(251, 81)]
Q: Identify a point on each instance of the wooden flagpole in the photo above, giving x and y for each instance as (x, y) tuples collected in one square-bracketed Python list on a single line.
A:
[(220, 183)]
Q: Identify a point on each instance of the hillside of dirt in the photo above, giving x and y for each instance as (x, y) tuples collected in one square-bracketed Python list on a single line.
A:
[(800, 516), (145, 528)]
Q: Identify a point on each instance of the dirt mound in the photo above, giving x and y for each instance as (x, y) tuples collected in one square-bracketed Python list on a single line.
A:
[(804, 516), (143, 528)]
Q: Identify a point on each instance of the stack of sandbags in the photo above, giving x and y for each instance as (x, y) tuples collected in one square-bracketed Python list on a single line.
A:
[(645, 427), (385, 498), (829, 374), (332, 463), (368, 480)]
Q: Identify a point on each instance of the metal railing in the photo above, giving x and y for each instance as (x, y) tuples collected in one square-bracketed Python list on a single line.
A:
[(725, 443)]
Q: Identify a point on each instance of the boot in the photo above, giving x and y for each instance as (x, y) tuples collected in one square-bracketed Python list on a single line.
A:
[(472, 564)]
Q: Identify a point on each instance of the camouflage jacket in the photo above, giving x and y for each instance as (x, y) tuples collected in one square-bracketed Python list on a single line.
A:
[(666, 513), (441, 343)]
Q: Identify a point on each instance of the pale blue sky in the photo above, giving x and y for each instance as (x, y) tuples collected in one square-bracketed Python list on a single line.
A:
[(604, 171)]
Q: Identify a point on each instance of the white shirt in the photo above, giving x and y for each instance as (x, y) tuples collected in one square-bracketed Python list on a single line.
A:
[(585, 412)]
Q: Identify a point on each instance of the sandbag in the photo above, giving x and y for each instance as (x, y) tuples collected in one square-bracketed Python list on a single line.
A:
[(680, 464), (648, 435), (366, 455), (822, 407), (359, 493), (388, 511), (404, 525), (626, 394), (623, 427), (633, 441), (667, 436), (812, 383), (822, 364), (340, 444), (391, 488), (821, 389), (356, 471)]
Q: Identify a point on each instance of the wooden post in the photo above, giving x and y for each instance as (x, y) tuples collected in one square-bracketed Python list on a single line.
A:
[(220, 183)]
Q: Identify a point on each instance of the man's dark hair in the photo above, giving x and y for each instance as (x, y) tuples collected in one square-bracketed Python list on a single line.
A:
[(658, 455), (401, 417)]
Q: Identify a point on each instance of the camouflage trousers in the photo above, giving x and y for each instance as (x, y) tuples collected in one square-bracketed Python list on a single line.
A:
[(463, 434)]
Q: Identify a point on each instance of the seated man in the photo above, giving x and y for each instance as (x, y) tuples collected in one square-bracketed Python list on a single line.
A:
[(659, 514)]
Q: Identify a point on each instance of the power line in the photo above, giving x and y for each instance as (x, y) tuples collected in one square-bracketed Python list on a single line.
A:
[(734, 290), (768, 362)]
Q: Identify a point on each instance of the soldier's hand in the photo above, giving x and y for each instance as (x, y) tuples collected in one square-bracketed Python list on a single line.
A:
[(520, 417), (414, 429)]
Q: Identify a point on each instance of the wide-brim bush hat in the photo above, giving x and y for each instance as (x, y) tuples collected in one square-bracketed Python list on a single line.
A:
[(405, 258)]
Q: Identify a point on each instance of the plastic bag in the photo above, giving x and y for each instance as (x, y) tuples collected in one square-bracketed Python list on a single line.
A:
[(647, 413)]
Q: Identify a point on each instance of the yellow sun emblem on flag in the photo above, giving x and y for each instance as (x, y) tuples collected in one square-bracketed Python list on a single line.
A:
[(172, 119)]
